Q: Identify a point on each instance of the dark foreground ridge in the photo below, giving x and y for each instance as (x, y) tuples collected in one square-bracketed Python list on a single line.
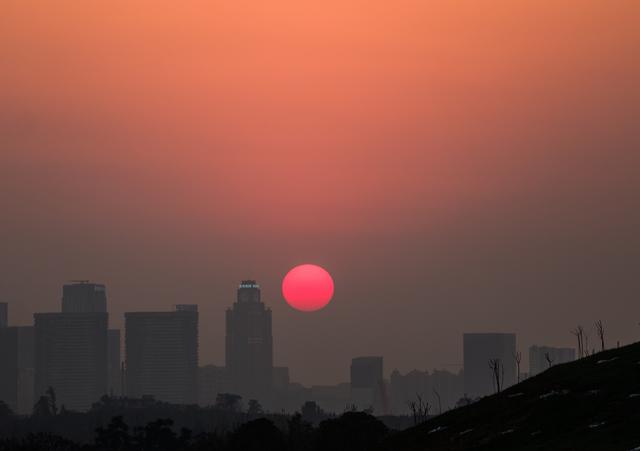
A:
[(592, 403)]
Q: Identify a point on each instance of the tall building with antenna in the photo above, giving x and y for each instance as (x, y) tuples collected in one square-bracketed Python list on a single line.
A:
[(249, 344)]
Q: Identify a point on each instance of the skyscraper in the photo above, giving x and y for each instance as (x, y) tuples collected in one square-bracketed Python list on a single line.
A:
[(161, 351), (479, 349), (71, 347), (84, 297), (71, 357), (249, 343)]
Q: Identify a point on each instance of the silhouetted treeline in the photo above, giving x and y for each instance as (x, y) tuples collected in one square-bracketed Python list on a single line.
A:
[(352, 431)]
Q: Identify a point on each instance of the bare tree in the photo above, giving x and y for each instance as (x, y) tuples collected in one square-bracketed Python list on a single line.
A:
[(600, 332), (51, 394), (419, 409), (578, 332), (586, 345), (435, 392), (548, 358), (518, 358), (497, 373)]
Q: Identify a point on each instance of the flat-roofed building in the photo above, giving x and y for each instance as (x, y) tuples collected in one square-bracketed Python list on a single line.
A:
[(161, 351), (71, 357), (84, 297)]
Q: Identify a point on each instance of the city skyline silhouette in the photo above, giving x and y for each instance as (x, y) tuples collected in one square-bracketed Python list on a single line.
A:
[(459, 180)]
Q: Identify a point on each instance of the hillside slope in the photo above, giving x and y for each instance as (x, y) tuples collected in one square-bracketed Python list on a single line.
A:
[(592, 403)]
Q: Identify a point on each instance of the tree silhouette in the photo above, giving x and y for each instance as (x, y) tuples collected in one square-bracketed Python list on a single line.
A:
[(228, 402), (548, 358), (257, 435), (435, 392), (578, 332), (301, 433), (600, 332), (42, 407), (254, 407), (115, 437), (156, 435), (518, 358), (419, 409), (497, 373), (51, 393), (353, 431)]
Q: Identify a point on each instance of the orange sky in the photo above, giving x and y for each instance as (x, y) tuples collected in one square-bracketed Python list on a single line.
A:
[(450, 162)]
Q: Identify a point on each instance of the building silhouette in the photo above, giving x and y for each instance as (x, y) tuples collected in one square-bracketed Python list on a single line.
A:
[(367, 383), (479, 349), (84, 297), (161, 351), (249, 344), (71, 347), (71, 357), (17, 364), (542, 357)]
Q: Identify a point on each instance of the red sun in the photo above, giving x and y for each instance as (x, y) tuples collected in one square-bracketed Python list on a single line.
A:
[(307, 288)]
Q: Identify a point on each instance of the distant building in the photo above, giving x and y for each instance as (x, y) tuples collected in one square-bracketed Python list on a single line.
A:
[(84, 297), (114, 377), (186, 308), (280, 378), (161, 351), (212, 380), (17, 368), (4, 314), (249, 344), (367, 383), (71, 357), (542, 357), (479, 349), (441, 389)]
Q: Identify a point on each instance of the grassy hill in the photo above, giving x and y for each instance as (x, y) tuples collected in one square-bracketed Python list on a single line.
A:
[(592, 403)]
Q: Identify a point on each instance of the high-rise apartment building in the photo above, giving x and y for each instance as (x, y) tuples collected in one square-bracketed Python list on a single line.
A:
[(161, 351), (71, 357), (84, 297), (249, 343), (479, 350)]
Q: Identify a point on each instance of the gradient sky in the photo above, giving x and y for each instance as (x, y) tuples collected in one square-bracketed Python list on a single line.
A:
[(456, 165)]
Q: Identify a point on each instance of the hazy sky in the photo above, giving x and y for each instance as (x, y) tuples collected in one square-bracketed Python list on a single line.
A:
[(456, 165)]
